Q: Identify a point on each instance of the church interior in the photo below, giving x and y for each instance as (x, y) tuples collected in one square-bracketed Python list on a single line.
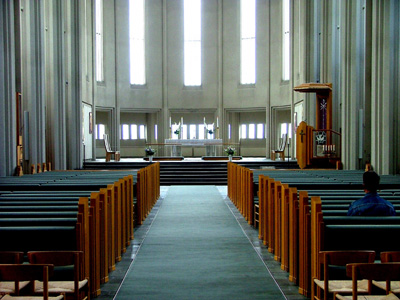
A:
[(270, 108)]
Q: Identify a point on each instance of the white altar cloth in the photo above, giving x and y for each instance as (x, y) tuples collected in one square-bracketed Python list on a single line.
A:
[(194, 142), (210, 144)]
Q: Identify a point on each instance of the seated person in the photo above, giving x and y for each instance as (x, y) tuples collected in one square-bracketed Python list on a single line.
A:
[(372, 204)]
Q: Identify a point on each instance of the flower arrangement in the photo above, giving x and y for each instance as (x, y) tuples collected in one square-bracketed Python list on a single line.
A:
[(177, 132), (149, 151), (210, 131), (230, 150)]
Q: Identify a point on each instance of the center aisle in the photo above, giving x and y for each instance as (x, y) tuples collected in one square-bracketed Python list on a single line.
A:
[(195, 249)]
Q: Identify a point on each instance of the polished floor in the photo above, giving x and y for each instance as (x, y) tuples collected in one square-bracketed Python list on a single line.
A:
[(289, 290)]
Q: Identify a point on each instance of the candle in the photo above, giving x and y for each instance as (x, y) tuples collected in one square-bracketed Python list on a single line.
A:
[(182, 120), (204, 122), (170, 124), (217, 123)]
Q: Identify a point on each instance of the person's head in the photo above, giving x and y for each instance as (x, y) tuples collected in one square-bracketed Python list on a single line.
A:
[(371, 181)]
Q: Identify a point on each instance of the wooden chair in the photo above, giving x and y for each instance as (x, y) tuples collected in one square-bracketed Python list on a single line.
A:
[(372, 271), (109, 152), (27, 272), (281, 148), (9, 287), (387, 257), (331, 260), (11, 257), (73, 285)]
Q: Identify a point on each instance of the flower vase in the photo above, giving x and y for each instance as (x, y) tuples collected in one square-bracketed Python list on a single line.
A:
[(151, 158), (230, 157)]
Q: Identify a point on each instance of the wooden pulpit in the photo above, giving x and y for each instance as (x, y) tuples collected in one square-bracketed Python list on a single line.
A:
[(318, 146)]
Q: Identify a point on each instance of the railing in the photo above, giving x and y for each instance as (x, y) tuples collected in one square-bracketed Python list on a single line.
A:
[(327, 144), (192, 150)]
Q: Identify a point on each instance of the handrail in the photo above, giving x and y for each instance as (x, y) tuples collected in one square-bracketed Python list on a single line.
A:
[(167, 144), (333, 131)]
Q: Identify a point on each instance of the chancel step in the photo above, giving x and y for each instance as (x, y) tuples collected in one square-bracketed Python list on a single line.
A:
[(189, 172)]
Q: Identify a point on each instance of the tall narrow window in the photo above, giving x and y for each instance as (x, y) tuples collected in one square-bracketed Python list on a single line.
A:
[(141, 132), (252, 131), (286, 39), (175, 128), (99, 40), (125, 131), (286, 128), (243, 132), (137, 42), (184, 131), (248, 41), (101, 130), (201, 132), (192, 42), (260, 131), (134, 130), (192, 131)]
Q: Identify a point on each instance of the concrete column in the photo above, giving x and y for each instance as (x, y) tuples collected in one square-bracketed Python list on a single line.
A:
[(8, 134), (33, 78), (385, 87)]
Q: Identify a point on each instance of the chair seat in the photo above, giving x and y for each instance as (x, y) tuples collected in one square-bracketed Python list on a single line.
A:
[(367, 297), (8, 297), (382, 285), (343, 286), (8, 287), (59, 286)]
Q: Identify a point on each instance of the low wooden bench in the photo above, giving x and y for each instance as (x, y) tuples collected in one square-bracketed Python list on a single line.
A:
[(283, 209), (104, 226), (346, 233)]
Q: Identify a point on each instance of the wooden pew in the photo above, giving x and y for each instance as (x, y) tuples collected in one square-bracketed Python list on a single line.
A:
[(104, 223), (285, 214)]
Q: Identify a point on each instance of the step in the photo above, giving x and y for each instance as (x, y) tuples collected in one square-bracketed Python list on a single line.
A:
[(189, 172)]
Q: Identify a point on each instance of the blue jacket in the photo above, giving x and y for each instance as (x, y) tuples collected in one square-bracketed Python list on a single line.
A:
[(371, 205)]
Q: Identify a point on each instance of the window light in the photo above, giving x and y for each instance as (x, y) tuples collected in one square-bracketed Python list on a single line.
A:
[(137, 42), (286, 39), (99, 40), (243, 131), (125, 131), (252, 131), (134, 133), (248, 41), (141, 132), (260, 131), (192, 42)]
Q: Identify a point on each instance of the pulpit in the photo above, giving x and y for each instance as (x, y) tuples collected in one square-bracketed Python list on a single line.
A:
[(319, 146)]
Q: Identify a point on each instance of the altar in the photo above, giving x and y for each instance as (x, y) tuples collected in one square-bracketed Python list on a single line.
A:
[(211, 146)]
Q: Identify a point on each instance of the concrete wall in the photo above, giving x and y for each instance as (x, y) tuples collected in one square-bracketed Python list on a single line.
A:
[(220, 91)]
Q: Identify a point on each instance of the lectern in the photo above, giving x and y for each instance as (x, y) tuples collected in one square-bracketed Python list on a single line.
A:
[(319, 146)]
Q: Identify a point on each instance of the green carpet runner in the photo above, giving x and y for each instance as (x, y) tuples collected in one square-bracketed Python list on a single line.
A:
[(195, 249)]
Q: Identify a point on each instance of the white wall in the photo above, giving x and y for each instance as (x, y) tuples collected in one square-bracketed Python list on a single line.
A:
[(220, 90)]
